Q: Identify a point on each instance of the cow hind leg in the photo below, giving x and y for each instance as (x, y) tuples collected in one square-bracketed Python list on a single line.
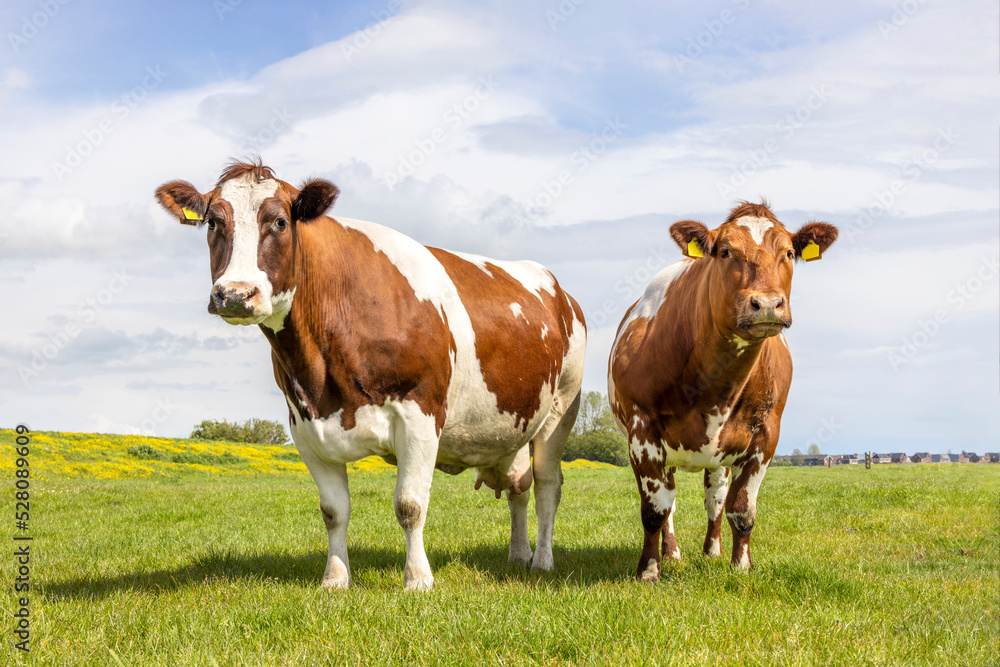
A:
[(335, 506), (416, 452), (741, 509), (716, 485), (547, 471)]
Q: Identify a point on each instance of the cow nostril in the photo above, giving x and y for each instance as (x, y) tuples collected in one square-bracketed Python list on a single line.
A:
[(754, 303), (249, 294)]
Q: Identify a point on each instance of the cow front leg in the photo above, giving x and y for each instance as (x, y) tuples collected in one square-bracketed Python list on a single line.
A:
[(520, 546), (670, 550), (656, 494), (716, 486), (335, 506), (741, 508), (416, 452)]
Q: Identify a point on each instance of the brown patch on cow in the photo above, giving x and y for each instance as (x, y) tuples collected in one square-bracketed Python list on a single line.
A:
[(487, 299), (408, 513), (669, 545)]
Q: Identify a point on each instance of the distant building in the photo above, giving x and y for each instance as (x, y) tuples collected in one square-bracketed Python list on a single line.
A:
[(991, 457), (921, 457), (969, 457)]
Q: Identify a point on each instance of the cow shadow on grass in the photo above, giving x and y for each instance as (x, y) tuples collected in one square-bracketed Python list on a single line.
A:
[(577, 567)]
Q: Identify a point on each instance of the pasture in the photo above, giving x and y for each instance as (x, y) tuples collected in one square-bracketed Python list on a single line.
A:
[(201, 563)]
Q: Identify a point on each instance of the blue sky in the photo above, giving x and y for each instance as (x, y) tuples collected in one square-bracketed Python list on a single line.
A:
[(879, 117)]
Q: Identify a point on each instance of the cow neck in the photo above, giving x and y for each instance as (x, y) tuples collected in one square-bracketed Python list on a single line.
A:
[(718, 367), (306, 348)]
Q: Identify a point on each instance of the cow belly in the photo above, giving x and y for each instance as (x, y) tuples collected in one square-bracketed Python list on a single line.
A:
[(709, 457), (483, 437)]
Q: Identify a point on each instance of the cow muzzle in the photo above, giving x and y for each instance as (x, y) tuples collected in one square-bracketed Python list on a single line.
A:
[(237, 303), (765, 314)]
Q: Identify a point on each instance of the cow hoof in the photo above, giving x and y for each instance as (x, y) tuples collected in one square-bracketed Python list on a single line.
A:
[(712, 548), (418, 584), (519, 556), (335, 584), (542, 562), (651, 574)]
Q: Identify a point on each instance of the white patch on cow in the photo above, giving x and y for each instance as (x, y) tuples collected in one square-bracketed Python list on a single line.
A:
[(741, 345), (282, 304), (757, 227), (246, 195), (516, 309), (545, 331), (640, 450), (743, 559), (660, 498), (676, 554), (784, 342), (533, 276), (714, 421), (714, 547), (651, 300), (478, 260), (715, 493), (651, 571)]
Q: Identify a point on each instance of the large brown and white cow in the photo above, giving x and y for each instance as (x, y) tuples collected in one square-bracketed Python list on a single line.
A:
[(383, 346), (699, 373)]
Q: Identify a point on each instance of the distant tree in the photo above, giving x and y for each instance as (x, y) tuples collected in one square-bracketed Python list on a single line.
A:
[(258, 431), (595, 436), (814, 450), (798, 458)]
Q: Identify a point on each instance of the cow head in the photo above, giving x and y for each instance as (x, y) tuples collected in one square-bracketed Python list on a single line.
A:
[(251, 218), (750, 259)]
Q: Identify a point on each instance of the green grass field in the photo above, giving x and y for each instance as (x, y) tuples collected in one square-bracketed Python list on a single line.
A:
[(893, 566)]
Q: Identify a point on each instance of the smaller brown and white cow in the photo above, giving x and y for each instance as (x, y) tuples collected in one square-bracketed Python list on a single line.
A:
[(699, 373)]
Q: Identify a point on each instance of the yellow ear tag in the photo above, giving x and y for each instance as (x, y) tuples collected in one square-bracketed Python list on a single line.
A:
[(810, 252), (694, 250), (190, 215)]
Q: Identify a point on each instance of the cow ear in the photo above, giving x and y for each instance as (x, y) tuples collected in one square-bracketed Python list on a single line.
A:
[(812, 240), (692, 237), (314, 199), (181, 199)]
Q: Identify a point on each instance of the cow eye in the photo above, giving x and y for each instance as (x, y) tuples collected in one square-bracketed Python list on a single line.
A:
[(280, 224), (211, 225), (789, 254), (724, 253)]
